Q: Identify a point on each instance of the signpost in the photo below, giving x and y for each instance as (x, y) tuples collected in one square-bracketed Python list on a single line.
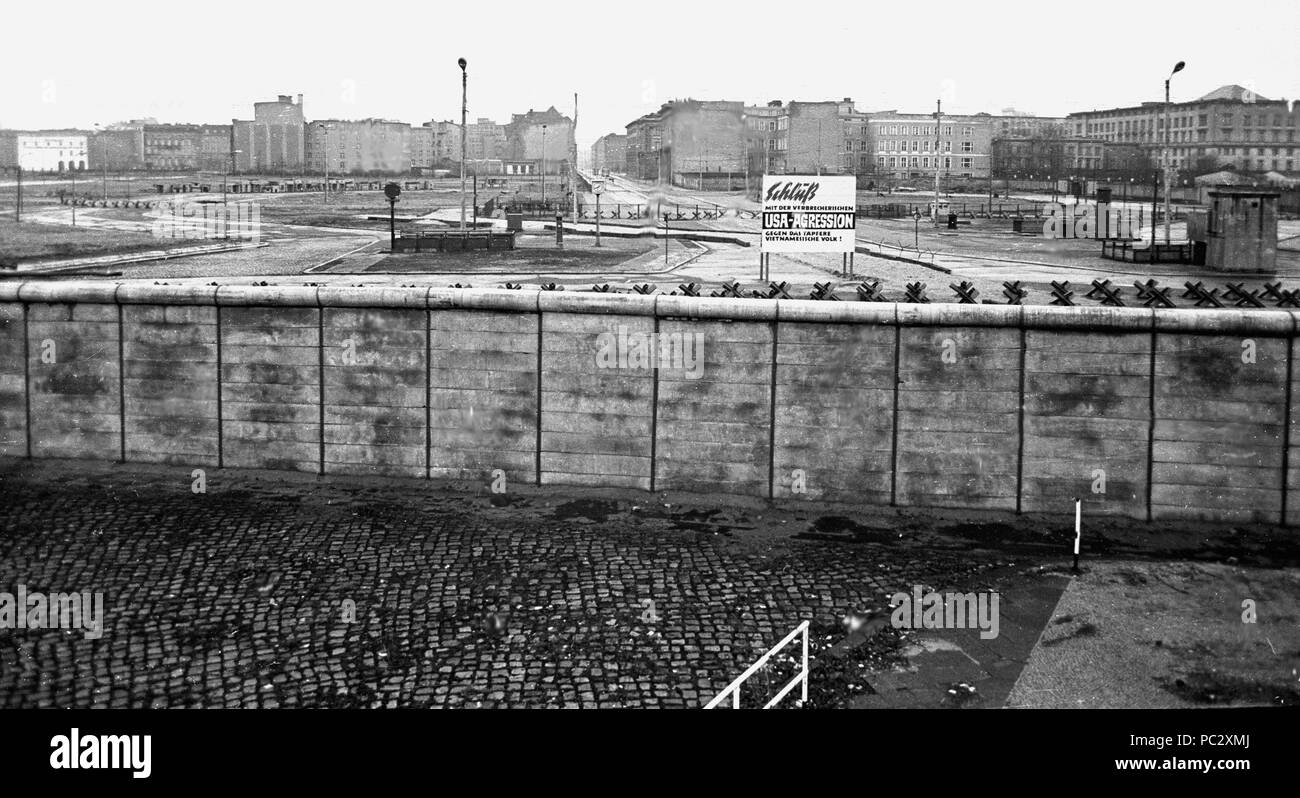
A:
[(598, 188), (392, 191), (808, 213)]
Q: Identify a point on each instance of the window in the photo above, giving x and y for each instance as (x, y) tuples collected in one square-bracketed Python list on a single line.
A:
[(925, 162), (893, 162), (966, 146), (966, 163), (914, 161), (968, 131), (925, 146), (880, 161), (947, 163)]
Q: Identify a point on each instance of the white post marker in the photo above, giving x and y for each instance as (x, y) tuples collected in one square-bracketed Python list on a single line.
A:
[(1078, 521)]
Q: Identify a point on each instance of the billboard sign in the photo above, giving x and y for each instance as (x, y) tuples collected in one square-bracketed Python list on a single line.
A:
[(809, 213)]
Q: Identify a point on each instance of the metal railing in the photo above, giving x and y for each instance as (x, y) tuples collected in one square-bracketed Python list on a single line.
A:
[(800, 678)]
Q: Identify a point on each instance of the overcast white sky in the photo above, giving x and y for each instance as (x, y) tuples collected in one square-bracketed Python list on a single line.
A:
[(77, 63)]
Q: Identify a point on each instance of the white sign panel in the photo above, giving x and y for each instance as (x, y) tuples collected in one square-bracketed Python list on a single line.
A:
[(809, 213)]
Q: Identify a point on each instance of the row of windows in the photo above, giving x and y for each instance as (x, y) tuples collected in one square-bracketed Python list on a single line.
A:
[(921, 130), (890, 145), (921, 162), (1157, 122)]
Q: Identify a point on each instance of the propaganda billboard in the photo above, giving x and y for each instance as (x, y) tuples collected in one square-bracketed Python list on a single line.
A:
[(809, 213)]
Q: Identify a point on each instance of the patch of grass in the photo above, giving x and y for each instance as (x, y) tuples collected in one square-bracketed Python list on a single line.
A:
[(22, 242)]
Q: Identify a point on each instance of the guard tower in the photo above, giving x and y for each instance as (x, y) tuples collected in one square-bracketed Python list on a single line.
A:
[(1242, 229)]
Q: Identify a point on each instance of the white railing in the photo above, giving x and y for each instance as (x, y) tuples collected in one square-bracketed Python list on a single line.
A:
[(800, 678)]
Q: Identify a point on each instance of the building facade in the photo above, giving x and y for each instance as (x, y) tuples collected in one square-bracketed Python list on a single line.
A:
[(366, 146), (644, 147), (544, 137), (485, 140), (609, 153), (120, 146), (907, 146), (1047, 158), (44, 150), (815, 141), (697, 143), (274, 141), (1229, 127), (1013, 124), (186, 147)]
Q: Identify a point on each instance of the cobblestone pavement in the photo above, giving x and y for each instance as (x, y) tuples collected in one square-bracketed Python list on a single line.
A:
[(239, 597)]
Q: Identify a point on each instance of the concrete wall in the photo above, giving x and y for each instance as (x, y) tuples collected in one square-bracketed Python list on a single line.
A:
[(1141, 413)]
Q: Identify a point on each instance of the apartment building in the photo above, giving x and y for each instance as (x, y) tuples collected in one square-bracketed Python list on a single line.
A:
[(609, 153), (274, 141), (544, 138), (1230, 126), (365, 146), (186, 147), (907, 146)]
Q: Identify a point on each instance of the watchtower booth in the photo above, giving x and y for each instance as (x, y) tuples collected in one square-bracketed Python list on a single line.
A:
[(1242, 234)]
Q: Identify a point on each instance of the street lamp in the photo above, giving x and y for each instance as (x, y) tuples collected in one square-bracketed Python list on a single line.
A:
[(1164, 155), (225, 209), (103, 157), (325, 159), (464, 91), (543, 168)]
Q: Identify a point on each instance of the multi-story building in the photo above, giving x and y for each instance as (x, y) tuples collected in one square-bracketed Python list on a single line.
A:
[(485, 140), (858, 156), (274, 141), (609, 153), (544, 137), (906, 146), (1013, 124), (815, 142), (419, 144), (186, 147), (644, 148), (698, 143), (809, 138), (119, 147), (44, 150), (446, 142), (365, 146), (435, 145), (766, 128), (1230, 126), (1045, 158)]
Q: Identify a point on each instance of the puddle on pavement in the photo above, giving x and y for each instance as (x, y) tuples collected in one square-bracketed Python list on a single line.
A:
[(702, 521), (596, 510), (1006, 537), (845, 530)]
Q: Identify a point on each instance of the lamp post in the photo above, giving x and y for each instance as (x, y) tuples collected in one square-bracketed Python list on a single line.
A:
[(325, 159), (225, 208), (543, 168), (103, 160), (1164, 155), (464, 92)]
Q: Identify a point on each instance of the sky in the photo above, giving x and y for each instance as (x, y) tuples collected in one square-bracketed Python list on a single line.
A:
[(99, 62)]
